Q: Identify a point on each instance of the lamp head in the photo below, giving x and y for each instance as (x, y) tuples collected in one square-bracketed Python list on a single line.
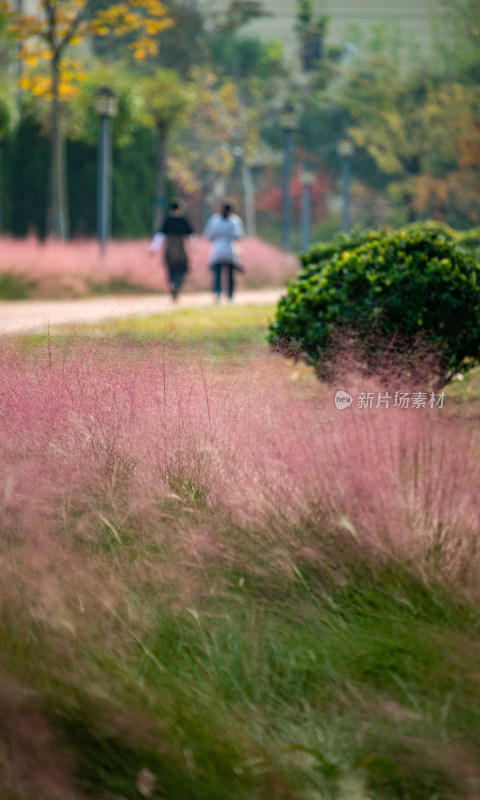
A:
[(345, 148), (307, 177), (288, 117), (105, 102)]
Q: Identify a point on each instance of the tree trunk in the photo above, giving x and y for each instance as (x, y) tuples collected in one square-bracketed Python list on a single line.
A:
[(412, 215), (160, 176), (249, 198), (206, 204), (57, 214), (247, 177)]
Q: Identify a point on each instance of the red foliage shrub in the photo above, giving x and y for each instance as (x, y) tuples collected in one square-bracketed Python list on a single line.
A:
[(270, 197)]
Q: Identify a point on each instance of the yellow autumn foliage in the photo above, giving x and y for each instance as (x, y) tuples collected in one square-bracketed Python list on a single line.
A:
[(45, 38)]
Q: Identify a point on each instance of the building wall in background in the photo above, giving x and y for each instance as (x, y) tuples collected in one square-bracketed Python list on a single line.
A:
[(413, 17)]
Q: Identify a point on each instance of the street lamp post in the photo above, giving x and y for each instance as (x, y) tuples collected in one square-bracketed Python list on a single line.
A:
[(345, 151), (288, 121), (106, 108), (307, 179)]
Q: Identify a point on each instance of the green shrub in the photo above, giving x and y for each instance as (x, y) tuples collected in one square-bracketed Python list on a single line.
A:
[(470, 240), (385, 286)]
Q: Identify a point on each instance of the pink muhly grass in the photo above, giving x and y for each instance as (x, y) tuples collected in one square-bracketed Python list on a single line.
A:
[(76, 268), (34, 766), (113, 434)]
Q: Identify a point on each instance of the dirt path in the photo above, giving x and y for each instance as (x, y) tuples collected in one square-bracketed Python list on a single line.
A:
[(37, 316)]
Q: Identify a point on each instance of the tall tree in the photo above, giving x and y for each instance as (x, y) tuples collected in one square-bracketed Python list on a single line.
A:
[(6, 116), (7, 109), (414, 128), (166, 101), (47, 38), (311, 28), (239, 12), (457, 40), (202, 161), (250, 63)]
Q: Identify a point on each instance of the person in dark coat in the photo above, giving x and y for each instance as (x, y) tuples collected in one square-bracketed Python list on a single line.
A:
[(173, 234)]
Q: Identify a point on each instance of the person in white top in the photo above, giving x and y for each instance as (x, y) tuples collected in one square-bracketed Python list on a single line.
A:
[(224, 230)]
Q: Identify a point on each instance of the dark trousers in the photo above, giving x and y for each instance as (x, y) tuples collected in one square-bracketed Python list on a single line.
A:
[(177, 271), (229, 272)]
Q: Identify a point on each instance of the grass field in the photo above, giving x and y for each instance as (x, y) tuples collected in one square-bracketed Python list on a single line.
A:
[(216, 586), (222, 331)]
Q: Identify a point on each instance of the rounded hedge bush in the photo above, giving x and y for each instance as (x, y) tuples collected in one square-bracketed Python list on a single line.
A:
[(394, 285)]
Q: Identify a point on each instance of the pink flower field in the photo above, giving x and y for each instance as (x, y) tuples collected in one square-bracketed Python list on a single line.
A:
[(112, 431), (205, 562), (77, 268)]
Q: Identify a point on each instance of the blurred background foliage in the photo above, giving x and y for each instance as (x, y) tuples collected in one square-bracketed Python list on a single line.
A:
[(412, 115)]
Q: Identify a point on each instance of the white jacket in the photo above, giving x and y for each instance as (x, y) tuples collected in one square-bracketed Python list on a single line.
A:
[(223, 232)]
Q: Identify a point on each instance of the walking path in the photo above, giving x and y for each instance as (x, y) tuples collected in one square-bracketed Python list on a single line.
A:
[(38, 316)]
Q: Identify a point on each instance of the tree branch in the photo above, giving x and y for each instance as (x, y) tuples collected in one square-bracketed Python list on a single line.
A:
[(75, 23), (50, 10)]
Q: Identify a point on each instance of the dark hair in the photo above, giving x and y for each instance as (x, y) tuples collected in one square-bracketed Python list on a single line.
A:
[(226, 210)]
